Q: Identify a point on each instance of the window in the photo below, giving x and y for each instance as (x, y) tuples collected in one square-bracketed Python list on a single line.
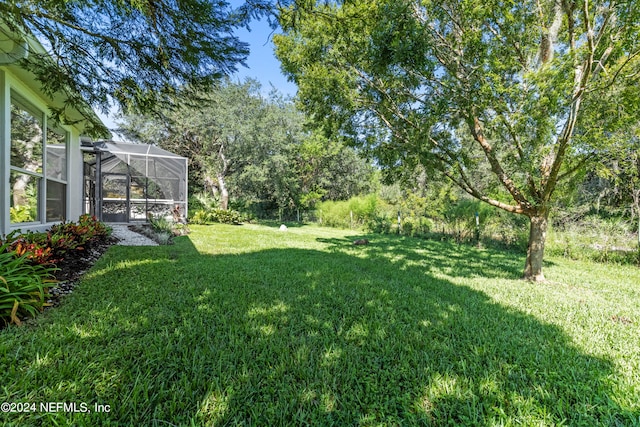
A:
[(24, 197), (56, 201), (56, 173), (38, 172), (26, 164)]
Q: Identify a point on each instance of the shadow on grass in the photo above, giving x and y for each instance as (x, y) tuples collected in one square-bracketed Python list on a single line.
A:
[(447, 257), (169, 336)]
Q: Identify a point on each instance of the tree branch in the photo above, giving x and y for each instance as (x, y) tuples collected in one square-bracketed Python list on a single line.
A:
[(478, 135)]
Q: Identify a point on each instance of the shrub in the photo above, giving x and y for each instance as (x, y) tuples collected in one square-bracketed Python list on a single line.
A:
[(68, 235), (27, 263), (23, 286), (216, 215), (594, 238), (52, 246), (416, 226), (97, 229), (334, 214), (353, 213), (380, 223), (163, 238), (34, 247), (61, 243), (160, 224)]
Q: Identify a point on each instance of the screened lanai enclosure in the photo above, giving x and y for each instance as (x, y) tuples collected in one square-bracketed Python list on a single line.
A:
[(126, 182)]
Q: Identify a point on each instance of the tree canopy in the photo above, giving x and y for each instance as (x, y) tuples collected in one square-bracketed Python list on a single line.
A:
[(130, 53), (251, 149), (498, 96)]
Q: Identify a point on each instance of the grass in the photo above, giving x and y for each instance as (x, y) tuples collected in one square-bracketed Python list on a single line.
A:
[(253, 326)]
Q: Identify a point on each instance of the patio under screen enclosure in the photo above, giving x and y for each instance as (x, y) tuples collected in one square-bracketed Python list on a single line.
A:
[(126, 182)]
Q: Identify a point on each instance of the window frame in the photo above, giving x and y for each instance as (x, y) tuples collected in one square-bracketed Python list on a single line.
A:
[(48, 177), (19, 101)]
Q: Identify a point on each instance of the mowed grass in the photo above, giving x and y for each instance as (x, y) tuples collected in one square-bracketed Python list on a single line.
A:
[(247, 325)]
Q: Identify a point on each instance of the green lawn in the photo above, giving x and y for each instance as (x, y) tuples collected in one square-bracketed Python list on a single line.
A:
[(247, 325)]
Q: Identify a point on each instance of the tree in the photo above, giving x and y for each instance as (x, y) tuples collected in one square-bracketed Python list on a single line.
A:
[(131, 53), (329, 170), (222, 133), (491, 94), (269, 179), (248, 147), (612, 180)]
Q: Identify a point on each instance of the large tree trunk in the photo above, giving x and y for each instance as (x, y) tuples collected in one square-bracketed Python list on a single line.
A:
[(535, 249), (224, 193), (20, 190)]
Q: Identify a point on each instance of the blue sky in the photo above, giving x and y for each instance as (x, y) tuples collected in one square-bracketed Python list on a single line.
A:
[(262, 63)]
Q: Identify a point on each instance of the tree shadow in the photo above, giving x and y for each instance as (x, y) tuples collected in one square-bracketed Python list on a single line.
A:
[(455, 259), (294, 336)]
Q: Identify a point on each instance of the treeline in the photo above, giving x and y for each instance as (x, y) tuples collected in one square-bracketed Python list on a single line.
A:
[(251, 154)]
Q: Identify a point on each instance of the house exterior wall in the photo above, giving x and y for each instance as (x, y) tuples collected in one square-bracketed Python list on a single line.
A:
[(11, 84), (5, 140)]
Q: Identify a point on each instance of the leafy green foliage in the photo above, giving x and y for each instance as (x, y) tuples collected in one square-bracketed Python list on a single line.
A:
[(201, 200), (132, 53), (38, 248), (160, 224), (596, 239), (505, 99), (224, 216), (352, 213), (78, 236), (21, 213), (28, 260), (251, 153), (162, 230), (22, 285)]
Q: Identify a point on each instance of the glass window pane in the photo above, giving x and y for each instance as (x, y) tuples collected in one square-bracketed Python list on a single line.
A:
[(26, 139), (56, 201), (24, 191), (56, 154)]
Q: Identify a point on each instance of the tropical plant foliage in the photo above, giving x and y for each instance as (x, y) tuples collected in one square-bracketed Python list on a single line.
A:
[(22, 286), (47, 248), (28, 261), (224, 216)]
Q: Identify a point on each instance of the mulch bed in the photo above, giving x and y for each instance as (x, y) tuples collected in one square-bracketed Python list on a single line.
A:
[(71, 269)]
